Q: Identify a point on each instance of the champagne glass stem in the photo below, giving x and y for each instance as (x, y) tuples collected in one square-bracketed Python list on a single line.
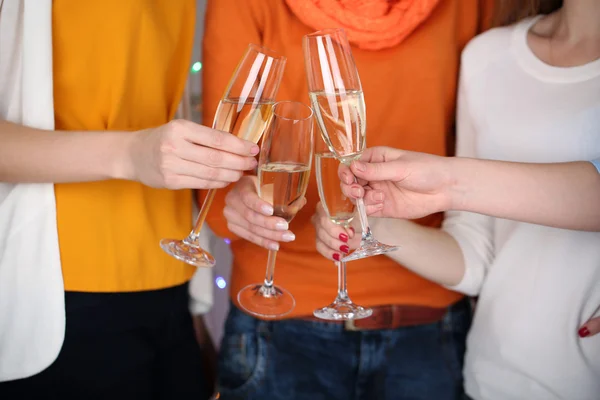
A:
[(364, 220), (194, 235), (342, 288), (270, 274)]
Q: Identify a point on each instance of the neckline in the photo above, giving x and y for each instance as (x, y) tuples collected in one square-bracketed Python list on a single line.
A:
[(541, 70)]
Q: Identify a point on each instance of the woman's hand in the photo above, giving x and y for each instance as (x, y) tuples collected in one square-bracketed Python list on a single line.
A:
[(333, 241), (397, 183), (182, 154), (251, 218), (590, 328)]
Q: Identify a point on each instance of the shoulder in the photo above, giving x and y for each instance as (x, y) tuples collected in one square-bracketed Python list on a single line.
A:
[(486, 49)]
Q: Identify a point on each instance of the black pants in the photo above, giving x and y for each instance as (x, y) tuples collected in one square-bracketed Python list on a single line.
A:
[(122, 346)]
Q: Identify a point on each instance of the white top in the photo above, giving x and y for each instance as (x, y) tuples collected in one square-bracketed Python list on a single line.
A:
[(536, 284), (32, 315)]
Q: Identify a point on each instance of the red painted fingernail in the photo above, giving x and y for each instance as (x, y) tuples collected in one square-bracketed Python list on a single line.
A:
[(345, 249), (583, 332), (343, 237), (336, 256), (352, 229)]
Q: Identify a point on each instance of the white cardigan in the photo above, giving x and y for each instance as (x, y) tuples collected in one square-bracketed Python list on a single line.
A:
[(32, 316)]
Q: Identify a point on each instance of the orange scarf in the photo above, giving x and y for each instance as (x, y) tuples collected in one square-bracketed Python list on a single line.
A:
[(369, 24)]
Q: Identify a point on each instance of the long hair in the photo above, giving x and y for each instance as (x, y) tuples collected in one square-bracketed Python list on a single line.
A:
[(511, 11)]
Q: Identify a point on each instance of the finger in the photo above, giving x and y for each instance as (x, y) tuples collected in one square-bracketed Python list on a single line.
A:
[(250, 219), (246, 196), (335, 239), (279, 235), (354, 191), (252, 200), (215, 139), (590, 328), (327, 252), (251, 237), (373, 197), (188, 168), (345, 174), (215, 158), (382, 171), (189, 182)]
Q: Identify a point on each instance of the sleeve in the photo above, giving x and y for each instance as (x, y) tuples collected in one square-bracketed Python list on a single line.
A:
[(230, 26), (473, 232), (596, 164)]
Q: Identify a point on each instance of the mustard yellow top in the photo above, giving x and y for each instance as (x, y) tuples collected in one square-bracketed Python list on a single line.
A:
[(120, 65)]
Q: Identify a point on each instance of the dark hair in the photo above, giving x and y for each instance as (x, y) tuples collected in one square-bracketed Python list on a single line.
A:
[(511, 11)]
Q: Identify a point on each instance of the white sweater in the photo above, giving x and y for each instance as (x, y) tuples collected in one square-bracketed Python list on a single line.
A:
[(536, 284)]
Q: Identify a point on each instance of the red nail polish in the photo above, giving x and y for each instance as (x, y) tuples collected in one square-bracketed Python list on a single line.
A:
[(583, 332), (345, 249), (344, 237), (336, 256), (352, 229)]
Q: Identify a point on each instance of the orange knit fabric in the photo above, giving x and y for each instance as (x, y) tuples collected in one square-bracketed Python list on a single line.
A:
[(369, 24)]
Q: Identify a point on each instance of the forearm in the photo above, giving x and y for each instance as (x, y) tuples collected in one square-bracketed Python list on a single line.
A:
[(564, 195), (429, 252), (29, 155)]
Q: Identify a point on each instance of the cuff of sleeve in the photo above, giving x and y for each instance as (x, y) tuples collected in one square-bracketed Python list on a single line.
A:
[(472, 279)]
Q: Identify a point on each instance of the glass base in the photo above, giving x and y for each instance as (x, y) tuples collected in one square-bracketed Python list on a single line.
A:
[(188, 253), (266, 302), (342, 310), (369, 248)]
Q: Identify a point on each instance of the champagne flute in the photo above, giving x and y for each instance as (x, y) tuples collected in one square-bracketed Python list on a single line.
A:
[(340, 211), (283, 175), (337, 99), (245, 110)]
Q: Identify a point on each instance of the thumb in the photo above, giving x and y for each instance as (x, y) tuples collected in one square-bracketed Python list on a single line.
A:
[(371, 172), (590, 328)]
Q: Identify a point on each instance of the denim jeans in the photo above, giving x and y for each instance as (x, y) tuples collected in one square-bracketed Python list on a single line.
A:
[(300, 359)]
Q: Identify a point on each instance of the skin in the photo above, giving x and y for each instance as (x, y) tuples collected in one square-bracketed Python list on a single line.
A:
[(177, 155)]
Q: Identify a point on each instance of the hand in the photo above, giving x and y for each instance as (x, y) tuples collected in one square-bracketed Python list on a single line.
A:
[(590, 328), (251, 218), (333, 241), (182, 154), (397, 183)]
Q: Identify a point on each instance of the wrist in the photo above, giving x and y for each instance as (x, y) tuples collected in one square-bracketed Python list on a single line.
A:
[(458, 187), (123, 166)]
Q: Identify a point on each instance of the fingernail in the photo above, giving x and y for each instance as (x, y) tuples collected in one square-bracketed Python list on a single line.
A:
[(336, 256), (583, 332), (345, 249), (282, 226), (360, 166), (352, 229), (253, 163), (288, 237), (343, 237), (254, 150), (346, 178), (355, 192), (267, 210), (378, 196), (273, 246)]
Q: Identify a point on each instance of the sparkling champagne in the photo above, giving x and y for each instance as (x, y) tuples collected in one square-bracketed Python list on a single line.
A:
[(339, 208), (342, 119), (245, 119), (283, 185)]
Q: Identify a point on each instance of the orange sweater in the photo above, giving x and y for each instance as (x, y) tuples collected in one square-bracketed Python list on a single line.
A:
[(120, 65), (410, 92)]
